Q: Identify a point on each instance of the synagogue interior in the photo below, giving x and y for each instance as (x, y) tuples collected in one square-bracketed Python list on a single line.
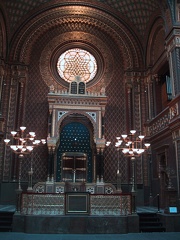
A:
[(89, 114)]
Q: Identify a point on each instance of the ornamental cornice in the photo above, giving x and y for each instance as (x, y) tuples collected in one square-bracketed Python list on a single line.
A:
[(73, 100), (173, 40)]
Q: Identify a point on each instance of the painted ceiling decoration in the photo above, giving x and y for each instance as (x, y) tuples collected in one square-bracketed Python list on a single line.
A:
[(57, 29), (138, 12)]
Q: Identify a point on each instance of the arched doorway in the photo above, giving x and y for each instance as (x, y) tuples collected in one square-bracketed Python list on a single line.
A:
[(75, 142)]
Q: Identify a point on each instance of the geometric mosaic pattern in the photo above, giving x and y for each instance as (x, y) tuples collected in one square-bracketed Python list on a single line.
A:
[(137, 12), (115, 122), (36, 119)]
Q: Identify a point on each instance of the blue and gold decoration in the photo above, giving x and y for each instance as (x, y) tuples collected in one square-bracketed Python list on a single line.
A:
[(74, 137)]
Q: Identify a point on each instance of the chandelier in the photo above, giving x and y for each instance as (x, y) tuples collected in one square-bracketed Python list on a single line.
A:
[(23, 143), (132, 145)]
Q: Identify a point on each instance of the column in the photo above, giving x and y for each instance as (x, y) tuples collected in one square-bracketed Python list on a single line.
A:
[(2, 73), (102, 164), (100, 145), (149, 97), (94, 168), (50, 123), (13, 109), (50, 177), (30, 174), (51, 143), (98, 167)]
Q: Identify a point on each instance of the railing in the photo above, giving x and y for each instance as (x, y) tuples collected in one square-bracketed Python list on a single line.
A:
[(162, 121), (110, 204), (54, 204), (43, 204)]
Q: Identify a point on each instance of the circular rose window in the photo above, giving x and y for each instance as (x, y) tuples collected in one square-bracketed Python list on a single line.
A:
[(75, 63)]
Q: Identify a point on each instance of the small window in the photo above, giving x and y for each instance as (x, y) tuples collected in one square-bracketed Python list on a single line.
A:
[(168, 88)]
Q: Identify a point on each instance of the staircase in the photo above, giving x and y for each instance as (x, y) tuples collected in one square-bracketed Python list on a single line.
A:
[(6, 219), (150, 222)]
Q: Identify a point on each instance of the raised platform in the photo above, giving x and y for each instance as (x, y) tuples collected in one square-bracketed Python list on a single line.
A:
[(75, 213), (85, 224), (76, 224)]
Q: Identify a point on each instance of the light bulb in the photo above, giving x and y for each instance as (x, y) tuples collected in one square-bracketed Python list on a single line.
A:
[(13, 133), (19, 146), (6, 140), (37, 141), (32, 134), (124, 136), (23, 149), (125, 150), (147, 145), (14, 147), (132, 132), (22, 128), (141, 136), (108, 143), (29, 148)]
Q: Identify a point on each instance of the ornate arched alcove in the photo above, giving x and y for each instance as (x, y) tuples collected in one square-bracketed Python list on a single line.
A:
[(115, 46)]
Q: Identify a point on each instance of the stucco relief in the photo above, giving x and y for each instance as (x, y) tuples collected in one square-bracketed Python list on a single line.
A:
[(53, 22), (57, 42)]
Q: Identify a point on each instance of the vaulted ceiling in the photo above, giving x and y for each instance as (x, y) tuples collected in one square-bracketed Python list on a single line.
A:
[(137, 12), (120, 28), (107, 26)]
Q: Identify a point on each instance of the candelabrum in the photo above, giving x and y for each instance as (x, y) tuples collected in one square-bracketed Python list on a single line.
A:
[(23, 144), (133, 146)]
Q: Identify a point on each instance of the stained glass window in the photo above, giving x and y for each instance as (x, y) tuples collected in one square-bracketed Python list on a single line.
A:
[(77, 62)]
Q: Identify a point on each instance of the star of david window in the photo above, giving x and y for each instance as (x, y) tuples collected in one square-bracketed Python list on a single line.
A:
[(75, 63)]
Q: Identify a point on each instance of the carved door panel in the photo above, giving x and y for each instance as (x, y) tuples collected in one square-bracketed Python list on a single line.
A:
[(74, 167)]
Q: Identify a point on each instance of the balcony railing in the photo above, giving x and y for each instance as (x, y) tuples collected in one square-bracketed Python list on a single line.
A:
[(167, 117)]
